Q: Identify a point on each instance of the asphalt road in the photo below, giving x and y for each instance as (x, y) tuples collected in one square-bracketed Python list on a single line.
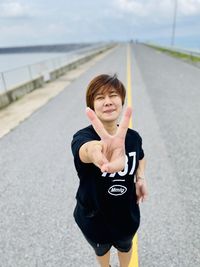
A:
[(170, 235), (38, 181)]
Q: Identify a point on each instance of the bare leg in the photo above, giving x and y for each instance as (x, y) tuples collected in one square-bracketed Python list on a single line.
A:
[(124, 258), (104, 260)]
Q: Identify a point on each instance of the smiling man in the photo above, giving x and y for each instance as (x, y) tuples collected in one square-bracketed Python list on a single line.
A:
[(108, 157)]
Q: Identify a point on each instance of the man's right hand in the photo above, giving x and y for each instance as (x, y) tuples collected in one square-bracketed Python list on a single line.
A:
[(109, 153)]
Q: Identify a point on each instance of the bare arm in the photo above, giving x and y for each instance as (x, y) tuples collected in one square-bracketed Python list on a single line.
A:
[(141, 186), (91, 152), (141, 168), (87, 150)]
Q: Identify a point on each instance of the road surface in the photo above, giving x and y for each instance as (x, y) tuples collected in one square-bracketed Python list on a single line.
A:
[(38, 181)]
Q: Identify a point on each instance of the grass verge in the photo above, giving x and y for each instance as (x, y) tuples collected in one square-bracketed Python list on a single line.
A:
[(181, 55)]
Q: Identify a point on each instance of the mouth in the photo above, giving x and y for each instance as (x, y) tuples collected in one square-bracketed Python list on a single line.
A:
[(109, 111)]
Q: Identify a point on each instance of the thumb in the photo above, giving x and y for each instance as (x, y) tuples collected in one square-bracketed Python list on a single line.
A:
[(114, 166), (99, 159)]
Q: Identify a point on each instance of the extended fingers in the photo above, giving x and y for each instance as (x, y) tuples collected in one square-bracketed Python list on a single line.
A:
[(96, 123), (123, 126)]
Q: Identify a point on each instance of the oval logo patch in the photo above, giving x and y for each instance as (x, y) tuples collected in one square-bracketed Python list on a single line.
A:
[(117, 190)]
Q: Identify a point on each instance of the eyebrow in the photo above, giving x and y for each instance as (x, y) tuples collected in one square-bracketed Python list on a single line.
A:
[(113, 91), (110, 92), (98, 94)]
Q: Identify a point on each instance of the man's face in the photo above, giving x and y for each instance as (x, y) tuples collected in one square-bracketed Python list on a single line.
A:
[(108, 105)]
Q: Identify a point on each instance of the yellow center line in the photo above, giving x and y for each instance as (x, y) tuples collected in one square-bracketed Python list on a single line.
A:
[(129, 95), (134, 256)]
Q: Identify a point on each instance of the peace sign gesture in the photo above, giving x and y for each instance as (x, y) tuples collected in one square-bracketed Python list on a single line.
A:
[(109, 153)]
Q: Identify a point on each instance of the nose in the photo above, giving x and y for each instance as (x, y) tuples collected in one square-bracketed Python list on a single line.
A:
[(107, 101)]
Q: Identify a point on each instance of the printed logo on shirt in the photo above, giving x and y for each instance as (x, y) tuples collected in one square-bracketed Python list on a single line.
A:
[(129, 169), (117, 190)]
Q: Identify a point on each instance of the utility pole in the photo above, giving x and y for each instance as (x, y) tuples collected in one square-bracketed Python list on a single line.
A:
[(174, 23)]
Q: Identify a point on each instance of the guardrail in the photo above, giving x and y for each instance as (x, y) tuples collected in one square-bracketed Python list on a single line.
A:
[(14, 77), (17, 76), (35, 75)]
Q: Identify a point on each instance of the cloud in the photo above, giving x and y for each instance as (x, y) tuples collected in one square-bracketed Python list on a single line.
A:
[(35, 21), (164, 8), (12, 9), (189, 7)]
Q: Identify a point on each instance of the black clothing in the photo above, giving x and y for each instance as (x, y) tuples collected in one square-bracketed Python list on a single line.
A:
[(106, 209), (102, 249)]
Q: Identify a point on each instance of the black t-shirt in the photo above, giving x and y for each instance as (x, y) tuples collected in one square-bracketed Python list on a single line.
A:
[(106, 207)]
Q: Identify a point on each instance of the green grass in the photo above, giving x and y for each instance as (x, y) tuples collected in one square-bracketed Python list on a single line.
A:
[(180, 55)]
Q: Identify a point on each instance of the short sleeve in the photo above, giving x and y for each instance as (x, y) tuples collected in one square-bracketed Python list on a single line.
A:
[(80, 138), (141, 151)]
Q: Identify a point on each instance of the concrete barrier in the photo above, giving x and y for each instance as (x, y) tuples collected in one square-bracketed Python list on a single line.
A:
[(4, 100), (19, 91)]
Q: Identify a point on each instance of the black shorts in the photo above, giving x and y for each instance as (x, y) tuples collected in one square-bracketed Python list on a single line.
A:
[(102, 249)]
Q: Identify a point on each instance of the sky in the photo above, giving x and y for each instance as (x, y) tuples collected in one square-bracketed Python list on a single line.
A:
[(35, 22)]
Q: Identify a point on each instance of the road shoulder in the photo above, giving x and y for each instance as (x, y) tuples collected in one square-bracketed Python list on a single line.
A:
[(15, 113)]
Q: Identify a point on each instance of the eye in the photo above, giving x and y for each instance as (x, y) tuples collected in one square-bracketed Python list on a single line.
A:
[(99, 98), (113, 95)]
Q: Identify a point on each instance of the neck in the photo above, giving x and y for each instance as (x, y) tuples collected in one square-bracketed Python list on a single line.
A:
[(111, 127)]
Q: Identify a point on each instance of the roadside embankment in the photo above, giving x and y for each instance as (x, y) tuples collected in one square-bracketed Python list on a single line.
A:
[(12, 115), (191, 57), (20, 90)]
